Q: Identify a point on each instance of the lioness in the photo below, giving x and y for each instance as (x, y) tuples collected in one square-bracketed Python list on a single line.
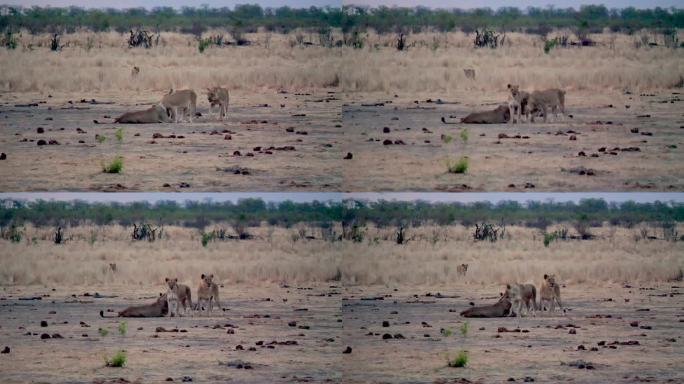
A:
[(184, 101), (462, 269), (218, 96), (517, 102), (550, 292), (154, 114), (182, 293), (550, 98), (498, 116), (207, 293), (157, 309), (520, 294), (500, 309)]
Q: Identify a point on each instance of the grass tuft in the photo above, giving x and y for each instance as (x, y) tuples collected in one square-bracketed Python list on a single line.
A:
[(118, 360), (116, 166), (123, 327), (464, 135), (464, 329), (119, 134), (460, 361), (460, 166)]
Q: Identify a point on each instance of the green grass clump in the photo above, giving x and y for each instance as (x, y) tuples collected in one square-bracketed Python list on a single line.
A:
[(116, 166), (103, 332), (100, 138), (447, 139), (207, 237), (464, 135), (446, 332), (119, 135), (550, 44), (460, 361), (464, 328), (118, 360), (203, 44), (460, 166), (123, 327), (549, 237)]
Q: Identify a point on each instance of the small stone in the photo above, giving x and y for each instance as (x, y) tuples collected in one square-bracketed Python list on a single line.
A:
[(43, 323), (347, 350), (386, 336), (5, 350), (385, 323)]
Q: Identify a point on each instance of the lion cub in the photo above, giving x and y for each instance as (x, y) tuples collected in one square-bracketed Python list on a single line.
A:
[(550, 292), (177, 295), (207, 293), (462, 269), (218, 96)]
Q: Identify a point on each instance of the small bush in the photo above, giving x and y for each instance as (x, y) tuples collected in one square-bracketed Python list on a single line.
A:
[(123, 327), (13, 233), (116, 166), (100, 138), (119, 135), (145, 231), (203, 44), (118, 360), (207, 237), (464, 135), (550, 44), (446, 332), (460, 361), (460, 166), (447, 139), (9, 42), (464, 329), (103, 332)]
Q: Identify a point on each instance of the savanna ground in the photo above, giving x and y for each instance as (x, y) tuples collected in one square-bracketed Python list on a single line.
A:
[(612, 89), (343, 292), (283, 129)]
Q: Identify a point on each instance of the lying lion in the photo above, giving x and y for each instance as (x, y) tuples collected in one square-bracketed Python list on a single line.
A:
[(498, 116), (500, 309), (157, 309)]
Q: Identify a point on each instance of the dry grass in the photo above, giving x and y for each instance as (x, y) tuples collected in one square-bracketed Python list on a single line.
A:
[(614, 64), (271, 258), (176, 63), (431, 257)]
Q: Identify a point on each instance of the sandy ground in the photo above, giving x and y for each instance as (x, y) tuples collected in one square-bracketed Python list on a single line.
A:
[(542, 158), (308, 158), (597, 315), (196, 351)]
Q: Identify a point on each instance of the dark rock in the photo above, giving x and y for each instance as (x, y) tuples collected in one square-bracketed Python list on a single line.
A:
[(41, 142), (386, 336), (349, 156), (43, 323), (45, 336), (347, 350), (40, 130), (385, 323), (386, 130), (387, 142), (5, 350)]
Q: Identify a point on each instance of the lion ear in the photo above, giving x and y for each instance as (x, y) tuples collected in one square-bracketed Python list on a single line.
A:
[(546, 276), (509, 86), (203, 275), (212, 275), (508, 286)]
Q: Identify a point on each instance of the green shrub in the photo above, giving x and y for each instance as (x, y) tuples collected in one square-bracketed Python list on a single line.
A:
[(123, 327), (207, 237), (460, 361), (10, 42), (447, 139), (460, 166), (549, 237), (116, 166), (100, 138), (118, 360), (203, 44), (119, 135), (550, 44), (464, 329), (103, 332), (464, 135), (446, 332)]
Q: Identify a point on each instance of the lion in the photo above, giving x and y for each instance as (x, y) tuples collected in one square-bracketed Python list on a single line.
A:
[(152, 115), (184, 101), (517, 103), (519, 295), (207, 293), (462, 269), (157, 309), (218, 96), (182, 293), (500, 309), (550, 292), (499, 115), (551, 98), (135, 71)]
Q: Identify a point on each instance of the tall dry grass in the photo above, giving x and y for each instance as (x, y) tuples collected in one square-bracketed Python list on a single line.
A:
[(435, 63), (431, 256), (272, 257), (102, 62), (282, 256)]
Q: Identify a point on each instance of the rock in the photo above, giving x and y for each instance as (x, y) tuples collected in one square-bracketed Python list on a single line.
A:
[(573, 138), (386, 130), (385, 323), (581, 348), (581, 154), (399, 336), (385, 142), (57, 336), (41, 142), (386, 336), (40, 130), (227, 137), (3, 156), (292, 323), (347, 350), (186, 379), (5, 350), (634, 323), (45, 336), (349, 156)]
